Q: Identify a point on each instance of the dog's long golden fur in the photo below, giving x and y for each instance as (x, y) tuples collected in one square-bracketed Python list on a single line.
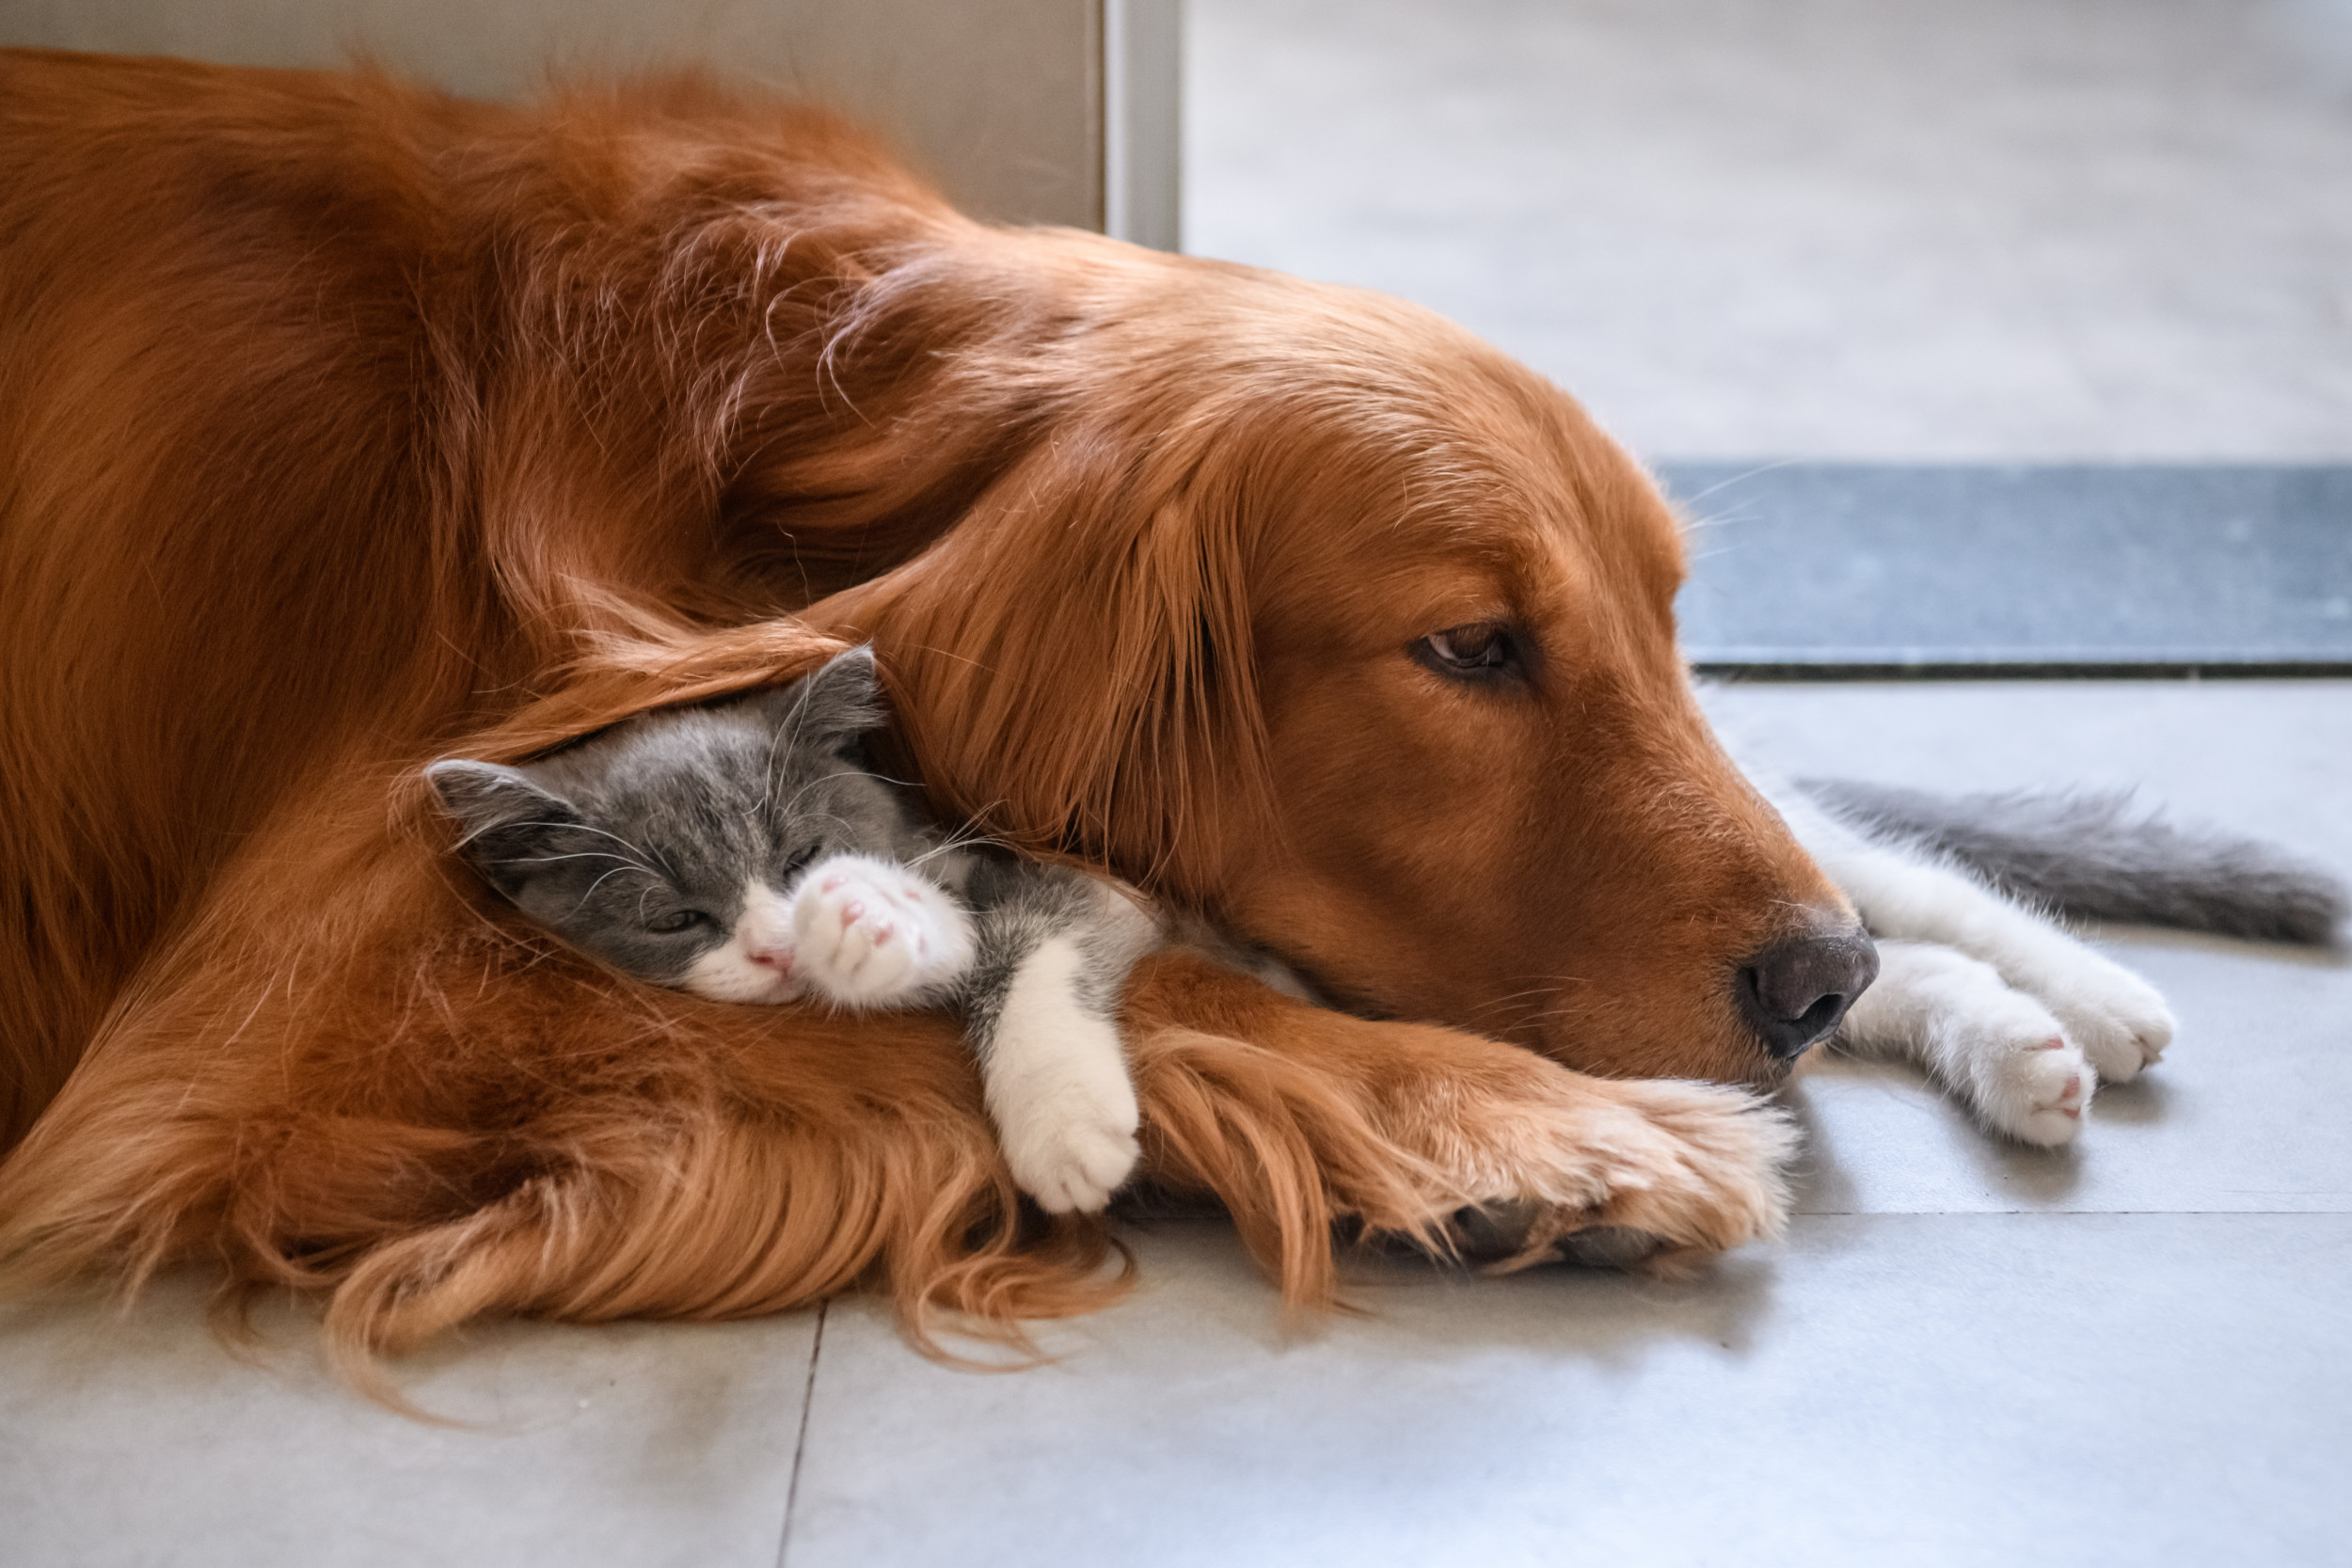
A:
[(344, 425)]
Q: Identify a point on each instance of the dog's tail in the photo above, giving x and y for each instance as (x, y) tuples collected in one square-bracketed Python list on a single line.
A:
[(2093, 855)]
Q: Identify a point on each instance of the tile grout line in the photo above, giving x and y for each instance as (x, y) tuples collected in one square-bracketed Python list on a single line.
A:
[(800, 1442)]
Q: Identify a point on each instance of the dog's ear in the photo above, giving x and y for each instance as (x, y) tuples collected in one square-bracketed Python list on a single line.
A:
[(508, 823), (834, 707), (1075, 665)]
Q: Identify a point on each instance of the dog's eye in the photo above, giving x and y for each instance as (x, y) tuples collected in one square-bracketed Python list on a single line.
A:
[(1481, 650), (676, 920)]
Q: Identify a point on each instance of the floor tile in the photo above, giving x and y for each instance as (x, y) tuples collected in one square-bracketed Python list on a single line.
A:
[(1842, 228), (1848, 228), (142, 1440), (2272, 758), (2126, 1389), (2247, 1110)]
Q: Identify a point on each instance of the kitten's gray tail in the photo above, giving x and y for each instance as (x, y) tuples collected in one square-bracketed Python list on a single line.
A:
[(2091, 854)]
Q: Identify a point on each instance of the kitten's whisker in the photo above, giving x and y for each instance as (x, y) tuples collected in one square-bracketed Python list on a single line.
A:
[(581, 855), (791, 724), (961, 839), (580, 827), (804, 790), (969, 830), (599, 883), (788, 727)]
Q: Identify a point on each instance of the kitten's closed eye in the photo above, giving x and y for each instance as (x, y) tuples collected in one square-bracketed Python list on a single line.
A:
[(676, 920)]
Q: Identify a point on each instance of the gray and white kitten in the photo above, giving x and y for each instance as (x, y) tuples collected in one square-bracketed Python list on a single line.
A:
[(743, 851)]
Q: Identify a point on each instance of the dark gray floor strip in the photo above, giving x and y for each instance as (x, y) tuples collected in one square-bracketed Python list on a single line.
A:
[(1878, 571), (2015, 670)]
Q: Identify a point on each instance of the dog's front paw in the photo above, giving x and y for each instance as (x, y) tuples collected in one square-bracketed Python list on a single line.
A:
[(871, 934), (1659, 1171), (2119, 1019)]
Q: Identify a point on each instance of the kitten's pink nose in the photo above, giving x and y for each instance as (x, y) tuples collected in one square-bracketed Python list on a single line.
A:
[(777, 957)]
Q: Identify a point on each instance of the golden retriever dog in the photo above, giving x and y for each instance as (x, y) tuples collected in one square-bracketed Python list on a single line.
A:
[(345, 424)]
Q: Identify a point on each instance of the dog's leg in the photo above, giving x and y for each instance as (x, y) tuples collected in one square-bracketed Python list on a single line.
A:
[(717, 1162), (2116, 1019), (1996, 1048), (1295, 1116)]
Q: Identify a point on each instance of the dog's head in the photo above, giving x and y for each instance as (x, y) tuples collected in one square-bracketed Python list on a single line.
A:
[(1319, 616)]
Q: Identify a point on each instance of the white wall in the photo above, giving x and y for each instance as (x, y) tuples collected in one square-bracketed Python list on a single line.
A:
[(1002, 102)]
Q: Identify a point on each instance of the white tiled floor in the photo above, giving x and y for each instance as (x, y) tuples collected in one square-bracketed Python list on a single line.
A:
[(1963, 1353), (1907, 228), (144, 1440), (1890, 1388), (2253, 1111), (1799, 240)]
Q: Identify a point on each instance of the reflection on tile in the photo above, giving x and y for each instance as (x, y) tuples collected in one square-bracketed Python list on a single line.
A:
[(2246, 1112), (1966, 1353), (140, 1440), (1822, 228), (1957, 1389)]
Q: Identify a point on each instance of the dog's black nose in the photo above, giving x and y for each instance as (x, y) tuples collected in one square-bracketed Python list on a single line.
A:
[(1794, 993)]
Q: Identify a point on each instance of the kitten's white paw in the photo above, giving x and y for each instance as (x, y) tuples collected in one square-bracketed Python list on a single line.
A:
[(2119, 1019), (1995, 1046), (2009, 1058), (1071, 1150), (871, 933), (1058, 1087), (2035, 1084)]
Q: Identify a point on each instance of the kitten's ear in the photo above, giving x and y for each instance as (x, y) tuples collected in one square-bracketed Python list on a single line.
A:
[(830, 707), (507, 819)]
